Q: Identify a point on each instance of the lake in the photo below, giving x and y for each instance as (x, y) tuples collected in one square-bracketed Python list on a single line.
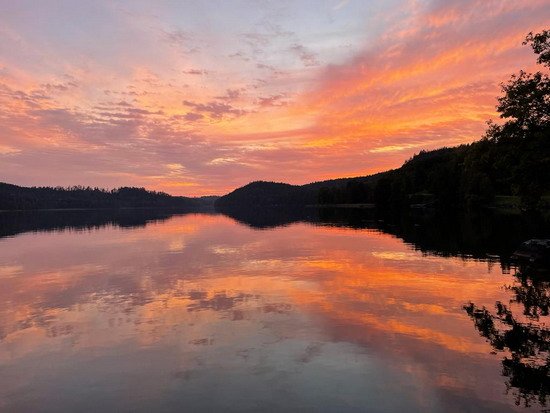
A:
[(141, 311)]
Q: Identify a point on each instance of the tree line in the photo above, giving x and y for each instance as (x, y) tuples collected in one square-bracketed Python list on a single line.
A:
[(13, 197)]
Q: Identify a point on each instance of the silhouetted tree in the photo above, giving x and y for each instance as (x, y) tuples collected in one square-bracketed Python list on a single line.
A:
[(525, 105)]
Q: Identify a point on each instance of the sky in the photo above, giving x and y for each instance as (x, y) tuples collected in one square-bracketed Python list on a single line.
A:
[(200, 97)]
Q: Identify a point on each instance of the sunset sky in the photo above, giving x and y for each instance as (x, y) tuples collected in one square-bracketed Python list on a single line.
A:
[(200, 97)]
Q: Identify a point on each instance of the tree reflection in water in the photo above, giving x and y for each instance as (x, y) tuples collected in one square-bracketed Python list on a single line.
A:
[(524, 338)]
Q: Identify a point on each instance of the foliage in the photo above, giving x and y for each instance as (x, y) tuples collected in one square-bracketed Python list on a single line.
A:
[(541, 46)]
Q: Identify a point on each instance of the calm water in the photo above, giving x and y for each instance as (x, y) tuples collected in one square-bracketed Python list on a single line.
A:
[(202, 313)]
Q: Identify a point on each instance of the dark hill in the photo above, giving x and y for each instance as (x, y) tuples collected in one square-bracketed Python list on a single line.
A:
[(268, 194), (261, 193)]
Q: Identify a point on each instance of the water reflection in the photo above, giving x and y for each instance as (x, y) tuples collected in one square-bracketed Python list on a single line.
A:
[(16, 222), (201, 313), (482, 234), (523, 337)]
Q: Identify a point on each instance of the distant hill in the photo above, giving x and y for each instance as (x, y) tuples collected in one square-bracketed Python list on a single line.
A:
[(13, 197), (268, 194), (261, 193)]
